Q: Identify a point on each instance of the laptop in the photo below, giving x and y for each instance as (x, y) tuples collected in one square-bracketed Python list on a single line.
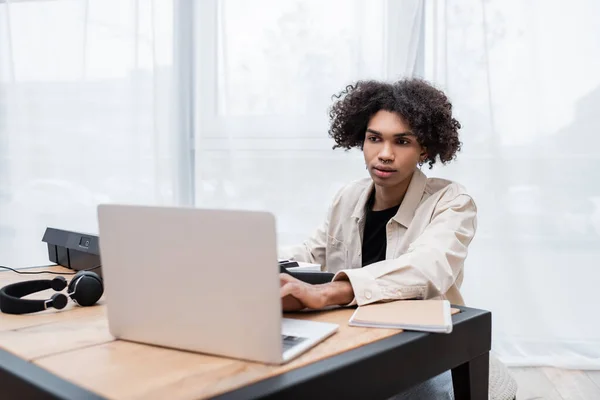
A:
[(200, 280)]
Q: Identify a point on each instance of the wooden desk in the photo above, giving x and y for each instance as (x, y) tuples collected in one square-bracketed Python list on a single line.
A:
[(70, 354)]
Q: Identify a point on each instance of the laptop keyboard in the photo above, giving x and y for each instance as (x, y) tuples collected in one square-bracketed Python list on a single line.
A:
[(291, 341)]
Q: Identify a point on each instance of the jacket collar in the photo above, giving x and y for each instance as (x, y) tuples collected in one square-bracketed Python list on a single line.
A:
[(407, 209), (412, 199)]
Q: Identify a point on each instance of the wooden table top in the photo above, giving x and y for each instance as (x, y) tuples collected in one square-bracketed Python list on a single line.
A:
[(75, 344)]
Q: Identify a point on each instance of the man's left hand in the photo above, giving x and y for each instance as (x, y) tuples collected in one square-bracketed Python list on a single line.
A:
[(297, 295)]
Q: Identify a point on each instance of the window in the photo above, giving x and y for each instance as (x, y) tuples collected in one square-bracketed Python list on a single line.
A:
[(265, 75)]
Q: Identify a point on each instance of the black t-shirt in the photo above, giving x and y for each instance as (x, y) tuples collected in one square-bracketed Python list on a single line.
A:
[(374, 235)]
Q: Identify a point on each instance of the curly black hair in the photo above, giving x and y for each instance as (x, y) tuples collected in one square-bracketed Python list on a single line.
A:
[(426, 109)]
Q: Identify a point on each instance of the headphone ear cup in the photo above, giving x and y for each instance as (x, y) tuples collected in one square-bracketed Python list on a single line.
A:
[(58, 283), (58, 301), (86, 288)]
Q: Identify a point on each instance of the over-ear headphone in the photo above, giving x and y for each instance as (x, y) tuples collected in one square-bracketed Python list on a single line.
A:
[(85, 289)]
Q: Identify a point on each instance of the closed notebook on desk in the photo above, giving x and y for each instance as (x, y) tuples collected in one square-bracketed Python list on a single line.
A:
[(415, 315)]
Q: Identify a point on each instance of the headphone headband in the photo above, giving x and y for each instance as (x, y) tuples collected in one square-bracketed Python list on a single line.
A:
[(85, 294)]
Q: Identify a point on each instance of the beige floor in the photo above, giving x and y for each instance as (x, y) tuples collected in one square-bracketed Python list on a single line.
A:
[(556, 384)]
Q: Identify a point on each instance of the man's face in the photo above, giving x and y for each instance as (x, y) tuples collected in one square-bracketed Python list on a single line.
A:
[(390, 149)]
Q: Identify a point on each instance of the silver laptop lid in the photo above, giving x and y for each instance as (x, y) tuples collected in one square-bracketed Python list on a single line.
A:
[(195, 279)]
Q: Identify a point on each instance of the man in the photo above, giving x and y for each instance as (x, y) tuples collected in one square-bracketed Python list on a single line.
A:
[(398, 234)]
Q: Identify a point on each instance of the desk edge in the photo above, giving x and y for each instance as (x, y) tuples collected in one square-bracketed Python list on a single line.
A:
[(307, 379), (28, 380)]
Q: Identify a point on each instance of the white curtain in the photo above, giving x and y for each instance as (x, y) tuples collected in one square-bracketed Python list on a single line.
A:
[(524, 77), (90, 112), (86, 94), (266, 75)]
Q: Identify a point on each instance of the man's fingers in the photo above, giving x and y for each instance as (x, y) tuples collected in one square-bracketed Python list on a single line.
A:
[(284, 291), (288, 288), (289, 293), (284, 278), (290, 303)]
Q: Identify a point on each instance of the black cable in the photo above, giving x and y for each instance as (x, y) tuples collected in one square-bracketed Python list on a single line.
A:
[(46, 271)]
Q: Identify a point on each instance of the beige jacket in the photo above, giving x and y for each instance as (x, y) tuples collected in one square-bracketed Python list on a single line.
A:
[(427, 242)]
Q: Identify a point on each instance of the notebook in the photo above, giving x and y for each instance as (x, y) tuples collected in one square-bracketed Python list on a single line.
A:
[(415, 315)]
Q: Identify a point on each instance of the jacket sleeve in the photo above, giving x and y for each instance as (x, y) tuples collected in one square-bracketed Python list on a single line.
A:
[(431, 263)]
